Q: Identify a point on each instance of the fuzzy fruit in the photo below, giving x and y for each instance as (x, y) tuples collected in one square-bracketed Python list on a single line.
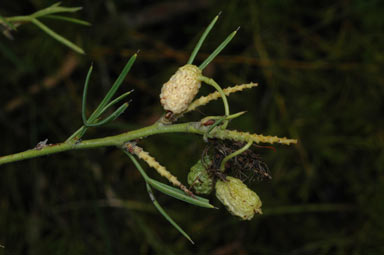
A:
[(182, 87), (199, 178), (238, 198)]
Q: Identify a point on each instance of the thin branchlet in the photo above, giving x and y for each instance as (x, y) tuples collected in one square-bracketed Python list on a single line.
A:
[(245, 137), (216, 95)]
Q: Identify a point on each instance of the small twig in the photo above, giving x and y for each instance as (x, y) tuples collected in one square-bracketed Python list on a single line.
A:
[(119, 140)]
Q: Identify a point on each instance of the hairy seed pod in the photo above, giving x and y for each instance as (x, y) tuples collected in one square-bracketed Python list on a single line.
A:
[(182, 87), (199, 178), (238, 198)]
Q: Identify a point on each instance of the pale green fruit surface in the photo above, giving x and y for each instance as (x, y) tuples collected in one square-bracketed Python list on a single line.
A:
[(238, 198), (199, 178)]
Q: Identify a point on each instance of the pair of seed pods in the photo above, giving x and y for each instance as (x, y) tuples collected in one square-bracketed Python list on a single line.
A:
[(233, 193)]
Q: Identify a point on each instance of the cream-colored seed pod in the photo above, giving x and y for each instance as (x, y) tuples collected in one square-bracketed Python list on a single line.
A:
[(238, 198), (182, 87)]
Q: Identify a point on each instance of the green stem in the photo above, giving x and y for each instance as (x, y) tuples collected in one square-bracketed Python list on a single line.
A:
[(211, 82), (234, 154), (117, 140), (16, 19), (218, 121), (157, 128)]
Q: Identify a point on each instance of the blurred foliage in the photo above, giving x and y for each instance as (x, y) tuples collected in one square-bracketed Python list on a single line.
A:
[(319, 66)]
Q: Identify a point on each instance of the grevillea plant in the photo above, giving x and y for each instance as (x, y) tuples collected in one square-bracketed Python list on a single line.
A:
[(226, 163)]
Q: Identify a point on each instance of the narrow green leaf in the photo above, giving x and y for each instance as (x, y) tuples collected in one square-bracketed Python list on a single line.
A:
[(137, 165), (218, 50), (113, 89), (55, 8), (85, 92), (178, 194), (202, 199), (68, 19), (153, 199), (115, 101), (176, 190), (110, 118), (201, 40), (165, 215), (55, 5), (58, 37), (168, 190)]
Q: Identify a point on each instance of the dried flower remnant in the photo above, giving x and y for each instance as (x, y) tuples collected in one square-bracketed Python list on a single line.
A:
[(247, 166), (238, 198)]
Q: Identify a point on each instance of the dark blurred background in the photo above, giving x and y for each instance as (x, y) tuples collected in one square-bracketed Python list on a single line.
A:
[(319, 67)]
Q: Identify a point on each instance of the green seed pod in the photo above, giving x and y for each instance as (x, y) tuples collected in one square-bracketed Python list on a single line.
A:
[(182, 87), (238, 198), (199, 178)]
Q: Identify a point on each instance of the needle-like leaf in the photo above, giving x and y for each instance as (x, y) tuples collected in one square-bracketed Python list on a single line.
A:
[(165, 215), (56, 36), (68, 19), (113, 89), (55, 8), (110, 118), (178, 194), (201, 40), (153, 199), (85, 92), (115, 101), (218, 50), (169, 190)]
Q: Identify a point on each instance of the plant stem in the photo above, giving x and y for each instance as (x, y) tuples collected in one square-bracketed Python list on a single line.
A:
[(117, 140), (157, 128), (211, 82), (17, 19)]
